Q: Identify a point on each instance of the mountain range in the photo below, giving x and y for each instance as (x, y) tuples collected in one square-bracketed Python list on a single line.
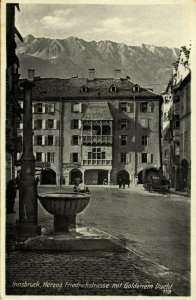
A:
[(147, 65)]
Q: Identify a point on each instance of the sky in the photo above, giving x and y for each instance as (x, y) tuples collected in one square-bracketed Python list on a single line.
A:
[(161, 25)]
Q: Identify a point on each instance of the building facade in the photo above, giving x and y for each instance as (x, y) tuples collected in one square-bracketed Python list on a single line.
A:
[(177, 129), (13, 109), (98, 130)]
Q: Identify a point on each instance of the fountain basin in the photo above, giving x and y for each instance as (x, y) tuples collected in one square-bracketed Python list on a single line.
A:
[(64, 207)]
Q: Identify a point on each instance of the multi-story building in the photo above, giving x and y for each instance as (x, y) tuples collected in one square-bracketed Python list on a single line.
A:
[(13, 110), (176, 127), (166, 130), (182, 118), (96, 129)]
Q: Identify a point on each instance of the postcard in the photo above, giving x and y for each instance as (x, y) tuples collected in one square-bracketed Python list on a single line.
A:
[(97, 132)]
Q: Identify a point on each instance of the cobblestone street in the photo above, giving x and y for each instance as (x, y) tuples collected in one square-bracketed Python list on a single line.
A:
[(157, 231)]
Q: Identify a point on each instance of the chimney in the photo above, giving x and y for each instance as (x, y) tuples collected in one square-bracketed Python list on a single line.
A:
[(91, 74), (31, 74), (117, 73)]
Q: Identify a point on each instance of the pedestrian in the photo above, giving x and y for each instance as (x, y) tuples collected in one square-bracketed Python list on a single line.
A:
[(11, 195), (120, 183), (128, 182), (123, 183), (37, 180), (136, 181)]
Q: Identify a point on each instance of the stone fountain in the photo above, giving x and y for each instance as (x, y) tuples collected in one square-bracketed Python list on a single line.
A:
[(64, 207)]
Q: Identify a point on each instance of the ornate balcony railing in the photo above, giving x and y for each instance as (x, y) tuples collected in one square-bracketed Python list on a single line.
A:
[(97, 139), (97, 162)]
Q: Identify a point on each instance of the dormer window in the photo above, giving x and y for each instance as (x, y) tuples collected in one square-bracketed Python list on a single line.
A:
[(136, 88), (113, 88), (83, 89)]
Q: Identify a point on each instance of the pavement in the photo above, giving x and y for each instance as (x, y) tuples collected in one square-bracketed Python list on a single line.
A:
[(37, 271)]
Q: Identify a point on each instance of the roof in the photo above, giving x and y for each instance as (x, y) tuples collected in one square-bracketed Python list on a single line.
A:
[(98, 88), (97, 111)]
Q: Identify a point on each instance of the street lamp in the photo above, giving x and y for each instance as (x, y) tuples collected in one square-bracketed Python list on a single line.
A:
[(28, 220)]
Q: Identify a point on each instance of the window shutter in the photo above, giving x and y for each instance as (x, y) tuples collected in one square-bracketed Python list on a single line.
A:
[(139, 158), (47, 108), (55, 124), (149, 107), (128, 108), (43, 140), (46, 124), (33, 140), (43, 157), (21, 125), (80, 107), (149, 158), (54, 140), (79, 124), (34, 108), (71, 157), (46, 140), (43, 108), (43, 124)]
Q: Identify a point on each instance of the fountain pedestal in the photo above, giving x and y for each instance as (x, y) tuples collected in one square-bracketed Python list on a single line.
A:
[(64, 207), (64, 224)]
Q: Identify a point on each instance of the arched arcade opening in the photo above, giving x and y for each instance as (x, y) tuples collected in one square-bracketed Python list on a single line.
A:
[(73, 175), (48, 176)]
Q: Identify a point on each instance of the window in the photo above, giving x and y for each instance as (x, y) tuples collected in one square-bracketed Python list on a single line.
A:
[(123, 106), (145, 123), (136, 88), (39, 108), (126, 107), (75, 139), (123, 157), (50, 157), (83, 89), (75, 124), (50, 108), (38, 124), (113, 88), (77, 107), (123, 123), (50, 124), (50, 140), (146, 158), (123, 139), (96, 154), (144, 140), (38, 156), (146, 107), (39, 140), (74, 157), (176, 122)]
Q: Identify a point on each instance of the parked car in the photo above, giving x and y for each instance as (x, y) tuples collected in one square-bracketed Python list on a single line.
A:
[(157, 184)]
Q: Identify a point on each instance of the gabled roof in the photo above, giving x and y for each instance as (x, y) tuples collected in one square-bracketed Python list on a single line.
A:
[(99, 88), (97, 111)]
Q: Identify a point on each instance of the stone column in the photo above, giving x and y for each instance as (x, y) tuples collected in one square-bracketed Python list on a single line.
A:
[(27, 225)]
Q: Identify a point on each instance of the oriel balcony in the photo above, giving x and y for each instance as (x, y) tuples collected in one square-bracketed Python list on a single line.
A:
[(97, 139), (97, 162)]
